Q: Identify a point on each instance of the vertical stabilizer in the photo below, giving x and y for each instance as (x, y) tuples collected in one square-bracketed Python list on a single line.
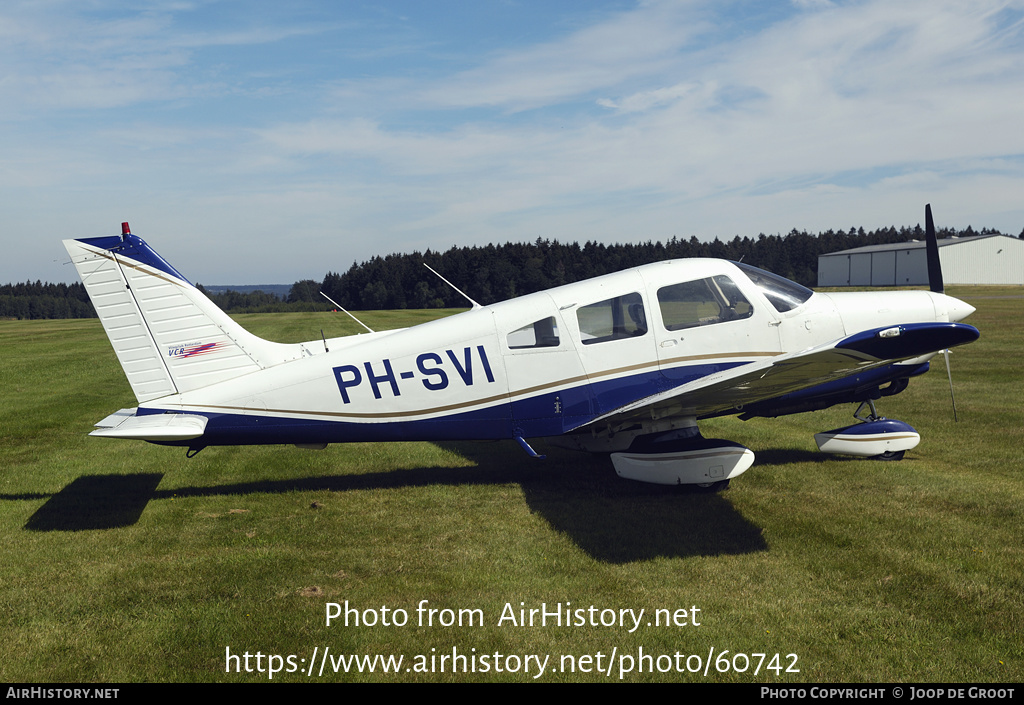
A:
[(168, 336)]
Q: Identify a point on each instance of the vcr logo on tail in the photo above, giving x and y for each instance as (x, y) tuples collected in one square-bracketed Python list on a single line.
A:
[(193, 349)]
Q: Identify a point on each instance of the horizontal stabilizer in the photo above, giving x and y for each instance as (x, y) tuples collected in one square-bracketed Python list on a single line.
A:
[(152, 427)]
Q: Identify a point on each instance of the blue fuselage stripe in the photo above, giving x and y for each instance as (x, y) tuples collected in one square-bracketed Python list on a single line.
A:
[(546, 414)]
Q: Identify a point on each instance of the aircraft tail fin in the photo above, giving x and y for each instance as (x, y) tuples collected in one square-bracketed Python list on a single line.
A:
[(168, 336)]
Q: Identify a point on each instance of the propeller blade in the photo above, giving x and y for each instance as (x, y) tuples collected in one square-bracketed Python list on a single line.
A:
[(932, 250), (935, 283), (950, 375)]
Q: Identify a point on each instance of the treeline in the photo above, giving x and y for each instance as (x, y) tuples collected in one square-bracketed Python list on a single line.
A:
[(43, 300), (497, 272), (38, 300), (247, 302), (490, 273)]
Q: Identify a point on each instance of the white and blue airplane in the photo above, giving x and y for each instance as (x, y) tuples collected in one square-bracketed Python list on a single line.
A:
[(625, 364)]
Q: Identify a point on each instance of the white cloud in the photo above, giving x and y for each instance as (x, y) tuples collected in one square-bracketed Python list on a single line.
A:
[(639, 102), (657, 121), (626, 46), (812, 4)]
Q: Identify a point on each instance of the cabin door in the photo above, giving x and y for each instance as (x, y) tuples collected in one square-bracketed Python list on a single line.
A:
[(610, 326), (548, 388), (707, 325)]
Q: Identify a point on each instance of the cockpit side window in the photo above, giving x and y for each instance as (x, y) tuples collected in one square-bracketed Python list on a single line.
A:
[(783, 294), (613, 319), (539, 334), (702, 302)]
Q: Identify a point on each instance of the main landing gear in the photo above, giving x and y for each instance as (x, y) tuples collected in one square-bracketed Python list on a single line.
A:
[(873, 437)]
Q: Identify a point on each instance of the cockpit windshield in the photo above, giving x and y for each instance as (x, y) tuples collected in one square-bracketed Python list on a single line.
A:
[(783, 294)]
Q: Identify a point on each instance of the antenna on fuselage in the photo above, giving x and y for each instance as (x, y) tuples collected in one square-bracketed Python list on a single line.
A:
[(461, 292), (345, 312)]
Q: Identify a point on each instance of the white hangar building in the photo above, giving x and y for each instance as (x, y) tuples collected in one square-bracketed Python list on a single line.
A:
[(977, 259)]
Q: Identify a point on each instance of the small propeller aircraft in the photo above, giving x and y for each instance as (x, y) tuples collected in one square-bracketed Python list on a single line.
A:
[(624, 364)]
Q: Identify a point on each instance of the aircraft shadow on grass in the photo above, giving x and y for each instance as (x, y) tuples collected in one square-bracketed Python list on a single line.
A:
[(613, 520), (96, 502)]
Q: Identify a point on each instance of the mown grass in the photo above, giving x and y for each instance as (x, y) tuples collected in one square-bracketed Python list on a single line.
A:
[(129, 562)]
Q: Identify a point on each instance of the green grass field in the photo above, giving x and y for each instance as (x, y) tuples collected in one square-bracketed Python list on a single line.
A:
[(125, 561)]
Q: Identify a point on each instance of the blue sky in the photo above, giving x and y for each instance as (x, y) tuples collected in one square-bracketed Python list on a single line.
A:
[(264, 142)]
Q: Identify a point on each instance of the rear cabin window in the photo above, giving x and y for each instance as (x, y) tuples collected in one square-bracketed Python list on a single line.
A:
[(612, 319), (539, 334), (702, 302)]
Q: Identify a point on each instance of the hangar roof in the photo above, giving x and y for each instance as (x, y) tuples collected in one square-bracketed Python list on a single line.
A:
[(914, 244)]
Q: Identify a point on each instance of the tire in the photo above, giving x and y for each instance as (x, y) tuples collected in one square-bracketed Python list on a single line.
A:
[(712, 487), (890, 455)]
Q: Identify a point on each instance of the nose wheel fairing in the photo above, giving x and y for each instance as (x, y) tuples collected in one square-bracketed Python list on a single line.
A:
[(873, 436)]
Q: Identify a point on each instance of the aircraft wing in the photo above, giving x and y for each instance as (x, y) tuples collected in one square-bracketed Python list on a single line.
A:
[(747, 384)]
